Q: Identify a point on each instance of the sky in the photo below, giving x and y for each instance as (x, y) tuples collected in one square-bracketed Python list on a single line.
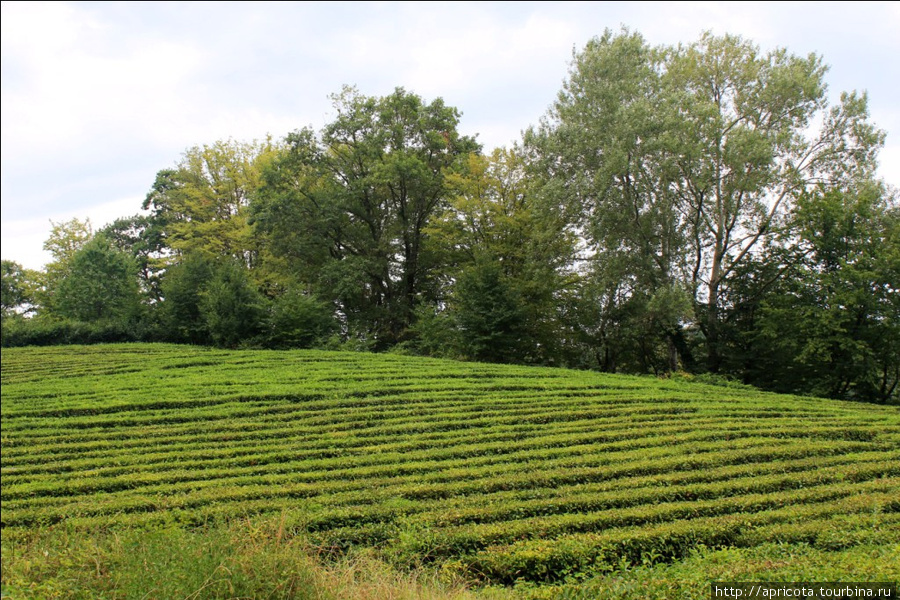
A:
[(99, 96)]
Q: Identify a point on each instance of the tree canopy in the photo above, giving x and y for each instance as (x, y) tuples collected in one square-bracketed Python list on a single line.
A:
[(680, 163), (349, 207)]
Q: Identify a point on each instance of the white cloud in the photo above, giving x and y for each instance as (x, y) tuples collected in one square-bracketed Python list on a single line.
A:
[(673, 22), (82, 79), (889, 164), (22, 240)]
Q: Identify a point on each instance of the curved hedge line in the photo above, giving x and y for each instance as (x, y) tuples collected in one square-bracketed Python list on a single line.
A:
[(499, 472)]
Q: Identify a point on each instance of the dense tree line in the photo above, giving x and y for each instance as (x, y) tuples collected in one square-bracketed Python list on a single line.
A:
[(698, 209)]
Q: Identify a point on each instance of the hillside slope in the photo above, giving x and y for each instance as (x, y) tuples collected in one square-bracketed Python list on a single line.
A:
[(498, 472)]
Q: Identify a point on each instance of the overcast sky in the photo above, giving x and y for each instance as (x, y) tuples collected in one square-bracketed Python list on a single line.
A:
[(99, 96)]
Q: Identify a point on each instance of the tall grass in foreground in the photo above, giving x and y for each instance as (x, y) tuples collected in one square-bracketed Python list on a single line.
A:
[(258, 560), (241, 560)]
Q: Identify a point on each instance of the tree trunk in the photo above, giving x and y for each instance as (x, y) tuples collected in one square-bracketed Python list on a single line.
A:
[(713, 356)]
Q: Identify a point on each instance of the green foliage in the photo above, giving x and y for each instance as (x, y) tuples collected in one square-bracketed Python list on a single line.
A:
[(679, 163), (350, 207), (142, 237), (231, 306), (434, 333), (52, 331), (169, 563), (100, 284), (299, 320), (615, 179), (64, 241), (201, 205), (690, 578), (18, 288), (490, 315), (211, 301), (698, 208), (840, 304), (181, 315), (240, 560), (504, 250)]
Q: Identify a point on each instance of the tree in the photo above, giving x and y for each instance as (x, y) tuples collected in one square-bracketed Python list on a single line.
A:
[(833, 327), (299, 320), (142, 237), (100, 285), (490, 315), (601, 155), (231, 306), (503, 254), (211, 300), (348, 209), (679, 163), (201, 205), (180, 313), (17, 289), (751, 157), (65, 240)]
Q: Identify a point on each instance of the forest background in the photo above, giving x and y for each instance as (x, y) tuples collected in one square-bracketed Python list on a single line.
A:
[(699, 209)]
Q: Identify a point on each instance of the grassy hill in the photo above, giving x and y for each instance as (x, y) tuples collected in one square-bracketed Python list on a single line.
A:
[(555, 482)]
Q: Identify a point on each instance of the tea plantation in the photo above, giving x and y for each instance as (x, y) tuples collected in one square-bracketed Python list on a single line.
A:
[(538, 478)]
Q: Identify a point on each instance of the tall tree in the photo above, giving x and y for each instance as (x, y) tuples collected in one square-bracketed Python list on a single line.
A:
[(142, 237), (201, 204), (65, 240), (745, 155), (504, 255), (491, 315), (682, 162), (231, 306), (181, 312), (350, 207), (602, 152)]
